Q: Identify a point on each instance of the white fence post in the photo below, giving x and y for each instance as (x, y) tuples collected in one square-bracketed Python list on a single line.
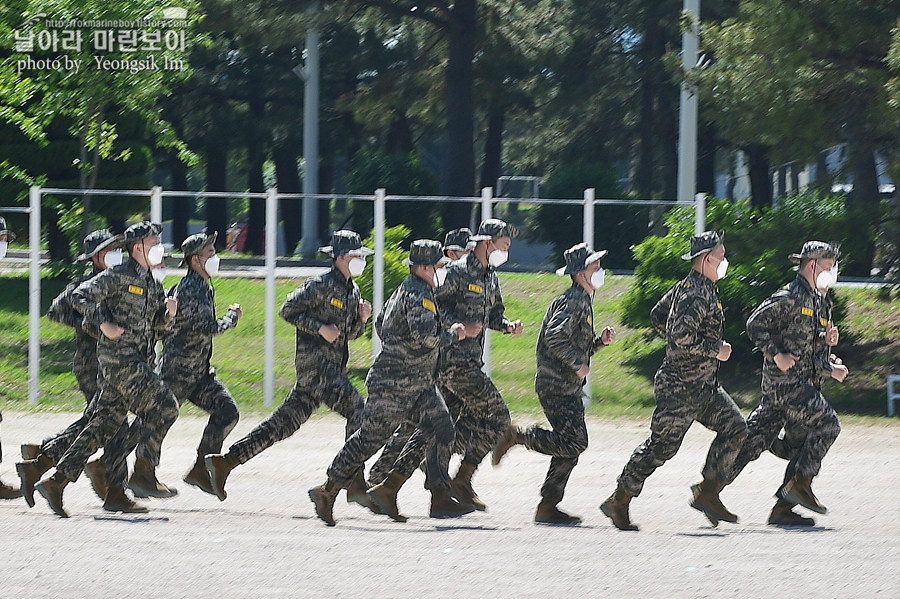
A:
[(699, 213), (34, 295), (378, 276), (487, 209), (589, 197), (156, 211), (271, 233)]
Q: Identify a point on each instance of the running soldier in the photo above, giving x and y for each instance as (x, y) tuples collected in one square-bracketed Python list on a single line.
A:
[(401, 387), (471, 295), (328, 312), (6, 491), (794, 332), (456, 247), (564, 349), (129, 308), (687, 389), (103, 250), (185, 363)]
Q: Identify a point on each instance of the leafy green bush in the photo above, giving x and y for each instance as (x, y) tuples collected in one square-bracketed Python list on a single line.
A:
[(616, 228), (394, 271), (757, 244)]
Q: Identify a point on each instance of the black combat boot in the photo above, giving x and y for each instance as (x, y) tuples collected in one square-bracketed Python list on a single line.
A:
[(616, 508), (30, 451), (461, 486), (119, 501), (323, 498), (383, 496), (143, 482), (512, 437), (444, 506), (356, 492), (219, 467), (9, 491)]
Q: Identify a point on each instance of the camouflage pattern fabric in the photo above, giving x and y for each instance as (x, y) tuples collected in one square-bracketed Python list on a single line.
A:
[(185, 361), (84, 364), (128, 296), (401, 386), (566, 342), (320, 366), (792, 320), (686, 386)]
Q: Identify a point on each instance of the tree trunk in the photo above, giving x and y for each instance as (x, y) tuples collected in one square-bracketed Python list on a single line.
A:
[(493, 146), (760, 177), (706, 159), (651, 50), (256, 217), (182, 206), (288, 178), (863, 207), (782, 182), (460, 174), (216, 208), (57, 242)]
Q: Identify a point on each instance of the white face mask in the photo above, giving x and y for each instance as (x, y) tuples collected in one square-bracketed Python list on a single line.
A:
[(158, 273), (827, 278), (356, 266), (113, 258), (440, 275), (212, 265), (498, 257), (4, 245), (598, 278), (155, 254), (722, 268)]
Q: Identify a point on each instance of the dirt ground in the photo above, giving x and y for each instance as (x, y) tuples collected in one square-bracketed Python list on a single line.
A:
[(265, 541)]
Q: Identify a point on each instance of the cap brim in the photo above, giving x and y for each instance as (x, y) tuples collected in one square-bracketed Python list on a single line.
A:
[(114, 240), (564, 270), (443, 260), (475, 238)]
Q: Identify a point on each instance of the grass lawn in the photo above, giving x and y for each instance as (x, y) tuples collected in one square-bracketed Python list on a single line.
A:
[(621, 374)]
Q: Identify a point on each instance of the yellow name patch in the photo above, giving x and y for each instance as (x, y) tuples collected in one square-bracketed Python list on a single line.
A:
[(337, 303), (135, 290), (824, 322), (475, 288), (429, 305), (590, 320), (687, 285), (806, 311), (719, 304)]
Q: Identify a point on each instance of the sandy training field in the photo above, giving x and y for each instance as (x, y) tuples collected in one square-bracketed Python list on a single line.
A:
[(265, 540)]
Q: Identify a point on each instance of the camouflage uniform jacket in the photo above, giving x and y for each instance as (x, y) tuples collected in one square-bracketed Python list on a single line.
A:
[(188, 349), (411, 334), (63, 311), (471, 293), (326, 299), (566, 341), (691, 318), (129, 296), (793, 320)]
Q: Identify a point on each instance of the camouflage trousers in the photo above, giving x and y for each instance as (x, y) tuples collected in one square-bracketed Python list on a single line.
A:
[(86, 371), (677, 407), (132, 386), (563, 442), (480, 414), (326, 385), (809, 422), (210, 395), (386, 409)]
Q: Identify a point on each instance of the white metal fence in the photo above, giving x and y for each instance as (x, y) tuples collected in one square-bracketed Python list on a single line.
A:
[(271, 197)]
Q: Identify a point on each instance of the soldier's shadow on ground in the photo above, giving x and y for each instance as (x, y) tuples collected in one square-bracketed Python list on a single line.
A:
[(767, 530)]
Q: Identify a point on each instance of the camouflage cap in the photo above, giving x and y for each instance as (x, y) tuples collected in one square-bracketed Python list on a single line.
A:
[(196, 242), (817, 250), (494, 227), (704, 242), (425, 252), (578, 257), (457, 239), (344, 242), (139, 231), (97, 241)]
